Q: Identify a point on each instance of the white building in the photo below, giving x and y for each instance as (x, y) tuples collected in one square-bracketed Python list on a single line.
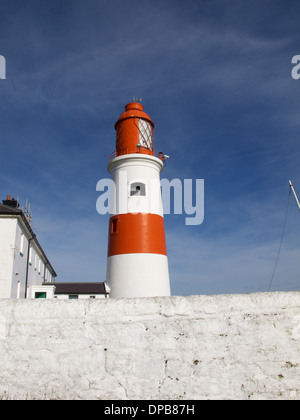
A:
[(82, 290), (25, 271)]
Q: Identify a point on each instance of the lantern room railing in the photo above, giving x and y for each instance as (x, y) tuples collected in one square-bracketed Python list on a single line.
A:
[(138, 149)]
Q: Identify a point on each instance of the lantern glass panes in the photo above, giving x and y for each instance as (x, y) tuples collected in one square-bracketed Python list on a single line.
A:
[(145, 134)]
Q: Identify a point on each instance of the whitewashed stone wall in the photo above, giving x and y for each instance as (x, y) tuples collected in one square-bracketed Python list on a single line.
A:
[(198, 347)]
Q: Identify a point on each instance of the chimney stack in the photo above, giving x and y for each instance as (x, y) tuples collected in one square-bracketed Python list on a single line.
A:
[(11, 202)]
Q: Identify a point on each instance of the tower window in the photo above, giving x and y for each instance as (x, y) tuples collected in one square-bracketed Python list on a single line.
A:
[(114, 226), (137, 188)]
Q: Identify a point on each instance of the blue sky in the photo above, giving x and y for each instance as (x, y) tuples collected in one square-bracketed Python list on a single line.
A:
[(215, 77)]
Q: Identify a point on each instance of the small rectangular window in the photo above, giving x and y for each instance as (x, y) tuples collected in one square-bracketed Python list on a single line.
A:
[(114, 225), (18, 290), (40, 295), (22, 244), (137, 188)]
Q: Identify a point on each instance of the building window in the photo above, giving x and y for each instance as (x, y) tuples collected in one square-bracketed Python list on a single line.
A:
[(137, 188), (40, 295), (18, 290), (92, 297), (114, 226), (22, 244), (73, 296)]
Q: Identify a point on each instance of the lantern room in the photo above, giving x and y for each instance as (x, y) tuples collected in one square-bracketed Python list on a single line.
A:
[(134, 131)]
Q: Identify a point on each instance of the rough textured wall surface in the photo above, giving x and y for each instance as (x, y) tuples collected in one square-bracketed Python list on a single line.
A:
[(198, 347)]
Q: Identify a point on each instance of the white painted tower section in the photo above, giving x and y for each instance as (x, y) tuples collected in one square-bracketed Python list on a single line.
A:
[(129, 275), (129, 172)]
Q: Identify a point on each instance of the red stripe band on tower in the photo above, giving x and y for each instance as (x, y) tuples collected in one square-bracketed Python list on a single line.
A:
[(136, 233)]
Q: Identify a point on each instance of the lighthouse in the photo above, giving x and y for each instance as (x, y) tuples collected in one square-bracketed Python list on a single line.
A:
[(137, 262)]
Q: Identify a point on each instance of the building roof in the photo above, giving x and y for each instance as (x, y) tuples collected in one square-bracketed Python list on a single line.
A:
[(79, 288), (7, 210)]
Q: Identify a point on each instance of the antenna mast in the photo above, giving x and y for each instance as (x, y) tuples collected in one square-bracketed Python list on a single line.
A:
[(137, 99), (295, 195)]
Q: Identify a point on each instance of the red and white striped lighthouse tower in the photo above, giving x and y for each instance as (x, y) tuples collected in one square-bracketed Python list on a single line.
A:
[(137, 262)]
